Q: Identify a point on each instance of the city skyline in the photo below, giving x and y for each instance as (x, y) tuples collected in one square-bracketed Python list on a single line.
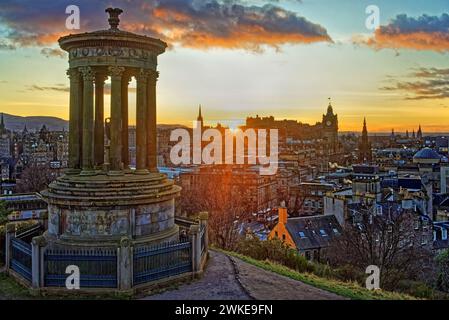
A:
[(296, 56)]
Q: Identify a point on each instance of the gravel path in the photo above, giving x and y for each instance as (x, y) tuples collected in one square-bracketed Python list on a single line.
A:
[(229, 278), (266, 285), (218, 283)]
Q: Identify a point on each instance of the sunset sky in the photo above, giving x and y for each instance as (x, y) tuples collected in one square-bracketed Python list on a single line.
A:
[(241, 58)]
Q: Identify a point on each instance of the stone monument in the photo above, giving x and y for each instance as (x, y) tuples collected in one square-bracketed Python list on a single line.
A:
[(101, 200)]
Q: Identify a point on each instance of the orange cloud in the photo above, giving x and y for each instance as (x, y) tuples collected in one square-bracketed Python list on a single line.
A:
[(189, 23), (434, 41), (421, 33)]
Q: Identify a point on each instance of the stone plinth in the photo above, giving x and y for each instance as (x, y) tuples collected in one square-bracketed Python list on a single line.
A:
[(101, 209)]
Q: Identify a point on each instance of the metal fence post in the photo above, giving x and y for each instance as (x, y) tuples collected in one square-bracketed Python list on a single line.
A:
[(10, 230), (125, 264), (36, 244), (194, 233)]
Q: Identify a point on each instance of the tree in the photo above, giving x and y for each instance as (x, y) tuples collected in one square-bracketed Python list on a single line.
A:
[(387, 240), (35, 178), (3, 213), (227, 204), (443, 270)]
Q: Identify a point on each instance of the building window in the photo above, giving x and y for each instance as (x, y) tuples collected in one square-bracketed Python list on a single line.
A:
[(283, 237), (302, 235), (423, 240), (323, 233)]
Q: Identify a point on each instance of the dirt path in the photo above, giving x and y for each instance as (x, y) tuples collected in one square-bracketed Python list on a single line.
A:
[(229, 278), (218, 283)]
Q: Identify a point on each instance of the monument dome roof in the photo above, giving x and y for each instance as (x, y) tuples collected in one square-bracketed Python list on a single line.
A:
[(427, 153), (112, 37)]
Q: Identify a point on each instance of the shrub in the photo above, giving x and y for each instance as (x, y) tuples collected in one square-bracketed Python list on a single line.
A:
[(443, 270), (274, 250), (348, 272), (419, 289)]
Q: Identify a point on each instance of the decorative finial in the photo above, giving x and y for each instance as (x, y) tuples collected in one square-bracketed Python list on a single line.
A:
[(114, 19)]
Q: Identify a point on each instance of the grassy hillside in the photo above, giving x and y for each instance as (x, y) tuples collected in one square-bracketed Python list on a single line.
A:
[(350, 290)]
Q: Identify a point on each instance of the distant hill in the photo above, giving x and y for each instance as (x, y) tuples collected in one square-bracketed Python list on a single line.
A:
[(17, 123)]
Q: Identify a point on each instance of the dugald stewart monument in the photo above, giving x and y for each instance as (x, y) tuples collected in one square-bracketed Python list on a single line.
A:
[(116, 224)]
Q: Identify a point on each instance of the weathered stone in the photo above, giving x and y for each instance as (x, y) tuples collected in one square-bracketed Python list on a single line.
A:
[(107, 205)]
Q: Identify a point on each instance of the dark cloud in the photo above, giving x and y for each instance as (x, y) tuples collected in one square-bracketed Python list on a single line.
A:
[(189, 23), (422, 33), (427, 83), (51, 52), (57, 87), (6, 46)]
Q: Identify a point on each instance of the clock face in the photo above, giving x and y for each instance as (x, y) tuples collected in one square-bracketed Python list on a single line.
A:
[(328, 123)]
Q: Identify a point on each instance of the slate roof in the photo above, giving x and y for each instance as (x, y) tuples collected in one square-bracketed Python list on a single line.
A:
[(427, 153), (406, 183), (441, 200), (313, 232)]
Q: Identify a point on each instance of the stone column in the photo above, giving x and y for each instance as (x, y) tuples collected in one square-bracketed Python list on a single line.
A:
[(75, 122), (152, 122), (88, 121), (141, 123), (194, 235), (10, 231), (115, 152), (99, 120), (125, 138), (125, 265), (37, 245)]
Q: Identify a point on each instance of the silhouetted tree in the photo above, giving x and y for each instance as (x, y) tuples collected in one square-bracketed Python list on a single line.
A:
[(443, 270), (388, 240), (35, 178), (227, 204), (3, 213)]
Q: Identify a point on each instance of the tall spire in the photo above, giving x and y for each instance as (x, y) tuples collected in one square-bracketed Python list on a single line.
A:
[(200, 117), (419, 134), (365, 151), (2, 124), (330, 110)]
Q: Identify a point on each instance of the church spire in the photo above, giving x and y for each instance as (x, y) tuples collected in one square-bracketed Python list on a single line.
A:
[(419, 134), (2, 124), (200, 117), (365, 151)]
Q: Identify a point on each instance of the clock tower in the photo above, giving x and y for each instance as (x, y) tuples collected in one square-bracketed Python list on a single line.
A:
[(330, 129)]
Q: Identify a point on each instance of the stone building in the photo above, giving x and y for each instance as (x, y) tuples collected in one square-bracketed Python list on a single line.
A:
[(5, 139), (330, 130)]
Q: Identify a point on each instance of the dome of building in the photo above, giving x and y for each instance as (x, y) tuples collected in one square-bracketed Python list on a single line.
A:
[(426, 155)]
